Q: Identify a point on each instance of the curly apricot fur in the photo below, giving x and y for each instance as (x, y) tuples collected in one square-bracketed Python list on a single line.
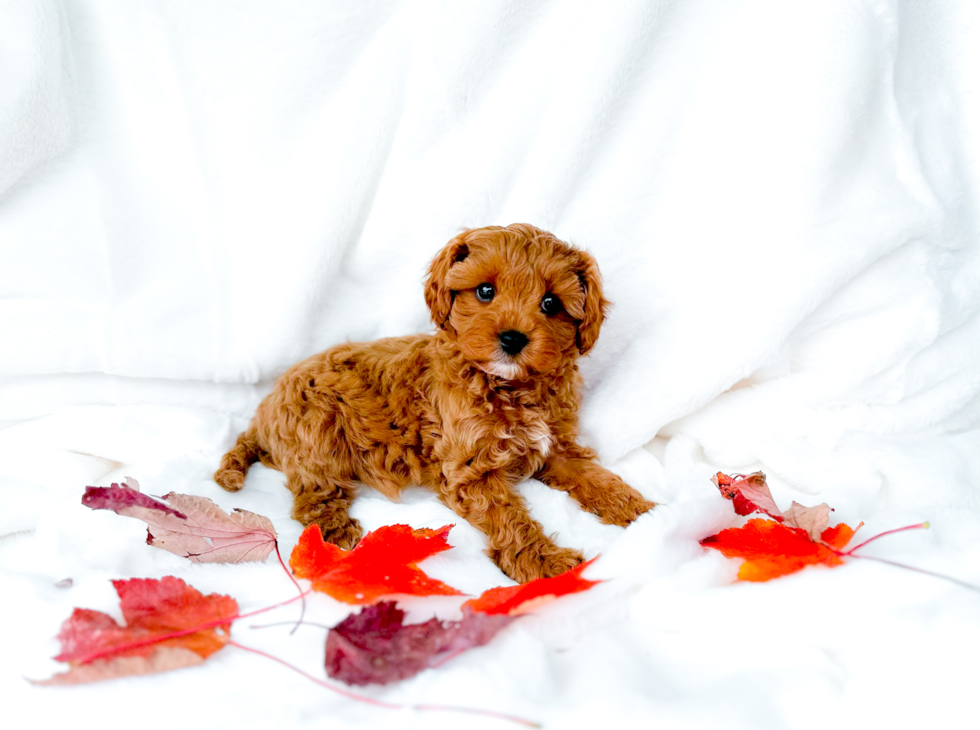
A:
[(453, 411)]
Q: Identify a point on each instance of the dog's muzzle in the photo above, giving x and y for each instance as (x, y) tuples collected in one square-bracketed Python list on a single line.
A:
[(512, 341)]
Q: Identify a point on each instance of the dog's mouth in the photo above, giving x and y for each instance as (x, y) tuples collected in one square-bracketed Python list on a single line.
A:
[(504, 367)]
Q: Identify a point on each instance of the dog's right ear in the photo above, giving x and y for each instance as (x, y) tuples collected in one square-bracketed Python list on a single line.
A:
[(438, 296)]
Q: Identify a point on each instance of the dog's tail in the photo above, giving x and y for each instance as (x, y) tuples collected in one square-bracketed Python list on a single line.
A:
[(235, 464)]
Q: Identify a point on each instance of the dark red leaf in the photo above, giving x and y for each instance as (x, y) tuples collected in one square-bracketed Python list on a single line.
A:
[(375, 647)]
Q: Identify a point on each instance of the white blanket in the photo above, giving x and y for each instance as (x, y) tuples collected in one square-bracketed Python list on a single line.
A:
[(785, 205)]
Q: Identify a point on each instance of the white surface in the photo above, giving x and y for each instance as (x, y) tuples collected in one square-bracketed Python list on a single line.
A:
[(784, 204)]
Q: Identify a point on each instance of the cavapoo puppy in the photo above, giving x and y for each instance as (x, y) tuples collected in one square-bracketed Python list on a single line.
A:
[(489, 399)]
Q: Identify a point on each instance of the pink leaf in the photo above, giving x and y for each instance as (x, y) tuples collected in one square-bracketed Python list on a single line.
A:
[(748, 493), (192, 527)]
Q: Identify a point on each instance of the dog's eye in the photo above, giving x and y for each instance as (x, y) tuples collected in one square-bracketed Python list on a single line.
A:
[(551, 305), (485, 292)]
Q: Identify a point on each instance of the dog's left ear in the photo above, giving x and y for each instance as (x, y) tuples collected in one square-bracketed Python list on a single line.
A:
[(438, 296), (595, 305)]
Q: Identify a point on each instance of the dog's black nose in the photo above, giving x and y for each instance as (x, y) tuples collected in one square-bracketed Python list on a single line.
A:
[(512, 341)]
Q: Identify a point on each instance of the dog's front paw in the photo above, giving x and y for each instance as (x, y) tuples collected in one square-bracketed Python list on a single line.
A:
[(541, 560), (632, 506), (620, 504), (335, 524), (346, 536)]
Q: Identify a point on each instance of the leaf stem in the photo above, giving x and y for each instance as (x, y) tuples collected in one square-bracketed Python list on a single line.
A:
[(957, 581), (302, 595), (286, 623), (381, 703), (919, 526), (302, 610)]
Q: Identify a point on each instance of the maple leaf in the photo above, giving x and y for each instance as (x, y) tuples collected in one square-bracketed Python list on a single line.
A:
[(375, 647), (192, 527), (515, 600), (772, 549), (168, 624), (383, 563), (751, 494)]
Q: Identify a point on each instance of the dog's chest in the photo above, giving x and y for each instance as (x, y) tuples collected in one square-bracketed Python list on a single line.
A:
[(516, 440), (527, 437), (539, 437)]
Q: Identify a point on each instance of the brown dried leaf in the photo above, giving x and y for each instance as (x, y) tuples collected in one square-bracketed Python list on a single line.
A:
[(813, 520)]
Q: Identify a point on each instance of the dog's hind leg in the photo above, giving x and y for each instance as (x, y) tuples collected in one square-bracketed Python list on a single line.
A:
[(235, 464), (325, 501)]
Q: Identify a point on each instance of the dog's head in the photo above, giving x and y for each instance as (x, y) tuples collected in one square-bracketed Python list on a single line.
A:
[(517, 300)]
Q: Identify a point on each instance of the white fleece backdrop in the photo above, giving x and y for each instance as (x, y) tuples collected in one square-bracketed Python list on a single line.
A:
[(783, 199)]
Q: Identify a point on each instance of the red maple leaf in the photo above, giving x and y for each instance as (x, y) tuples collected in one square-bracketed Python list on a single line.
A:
[(515, 600), (771, 549), (192, 527), (382, 564), (169, 624)]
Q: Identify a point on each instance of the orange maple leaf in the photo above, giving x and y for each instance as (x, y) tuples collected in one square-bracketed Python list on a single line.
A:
[(771, 549), (169, 624), (515, 600), (382, 564)]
